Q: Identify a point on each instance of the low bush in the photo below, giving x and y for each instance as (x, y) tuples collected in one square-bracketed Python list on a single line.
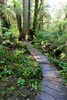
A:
[(18, 70)]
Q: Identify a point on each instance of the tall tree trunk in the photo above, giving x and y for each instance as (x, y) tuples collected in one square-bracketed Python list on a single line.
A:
[(5, 22), (26, 19), (18, 18), (41, 15), (35, 15), (29, 16)]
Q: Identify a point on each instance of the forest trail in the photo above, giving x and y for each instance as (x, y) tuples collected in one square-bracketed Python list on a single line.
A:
[(52, 87)]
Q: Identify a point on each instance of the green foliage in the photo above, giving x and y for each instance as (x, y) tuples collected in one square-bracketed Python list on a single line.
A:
[(18, 69), (21, 81), (7, 71), (3, 92), (63, 66), (10, 36), (52, 39)]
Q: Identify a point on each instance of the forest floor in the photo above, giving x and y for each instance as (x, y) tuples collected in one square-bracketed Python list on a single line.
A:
[(20, 74)]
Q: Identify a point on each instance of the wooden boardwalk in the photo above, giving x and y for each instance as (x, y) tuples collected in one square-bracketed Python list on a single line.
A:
[(52, 87)]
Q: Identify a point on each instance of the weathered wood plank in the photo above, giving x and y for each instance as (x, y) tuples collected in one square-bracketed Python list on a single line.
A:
[(57, 95), (45, 96)]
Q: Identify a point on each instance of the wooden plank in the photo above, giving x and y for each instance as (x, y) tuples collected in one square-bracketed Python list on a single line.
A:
[(44, 96), (57, 95), (49, 74), (48, 67), (57, 88), (57, 81)]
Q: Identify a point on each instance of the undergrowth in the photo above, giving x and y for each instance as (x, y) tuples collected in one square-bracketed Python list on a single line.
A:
[(53, 43), (19, 73)]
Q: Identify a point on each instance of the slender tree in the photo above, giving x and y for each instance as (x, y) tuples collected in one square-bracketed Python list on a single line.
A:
[(35, 15), (26, 17), (29, 15), (18, 18), (41, 14)]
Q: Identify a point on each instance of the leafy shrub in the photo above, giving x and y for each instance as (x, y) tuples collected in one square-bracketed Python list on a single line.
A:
[(9, 35), (52, 39), (21, 81), (15, 62)]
